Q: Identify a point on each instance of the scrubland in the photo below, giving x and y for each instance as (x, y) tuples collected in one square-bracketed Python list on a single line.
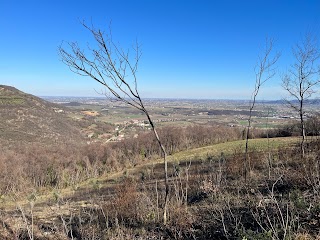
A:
[(116, 191)]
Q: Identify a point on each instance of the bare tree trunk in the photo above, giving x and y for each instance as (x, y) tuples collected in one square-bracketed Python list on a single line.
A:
[(246, 157), (264, 71), (301, 109), (165, 168), (303, 134), (269, 153)]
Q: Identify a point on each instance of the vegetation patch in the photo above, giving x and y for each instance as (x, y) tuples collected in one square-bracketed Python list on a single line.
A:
[(11, 100)]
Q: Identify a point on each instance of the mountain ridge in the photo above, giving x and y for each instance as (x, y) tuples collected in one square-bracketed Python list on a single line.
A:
[(25, 117)]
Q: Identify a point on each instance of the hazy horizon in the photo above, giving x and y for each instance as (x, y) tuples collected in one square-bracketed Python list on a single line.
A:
[(181, 99)]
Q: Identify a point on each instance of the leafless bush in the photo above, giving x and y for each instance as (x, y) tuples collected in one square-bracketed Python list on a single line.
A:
[(130, 207)]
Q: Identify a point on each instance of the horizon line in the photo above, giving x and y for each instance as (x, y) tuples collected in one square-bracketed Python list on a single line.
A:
[(167, 98)]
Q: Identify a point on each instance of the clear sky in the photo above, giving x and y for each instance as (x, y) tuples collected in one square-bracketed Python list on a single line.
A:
[(191, 48)]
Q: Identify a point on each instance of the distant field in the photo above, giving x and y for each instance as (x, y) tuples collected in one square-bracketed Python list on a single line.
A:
[(262, 123), (178, 111)]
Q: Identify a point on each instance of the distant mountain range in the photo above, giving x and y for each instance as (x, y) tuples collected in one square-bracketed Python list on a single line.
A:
[(24, 117)]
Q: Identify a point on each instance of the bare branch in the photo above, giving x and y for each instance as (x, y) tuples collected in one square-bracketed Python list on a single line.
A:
[(116, 70), (303, 78)]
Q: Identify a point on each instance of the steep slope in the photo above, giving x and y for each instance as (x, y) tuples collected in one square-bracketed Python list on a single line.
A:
[(24, 117)]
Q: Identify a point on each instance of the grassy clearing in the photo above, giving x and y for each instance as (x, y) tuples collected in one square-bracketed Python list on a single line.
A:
[(227, 148)]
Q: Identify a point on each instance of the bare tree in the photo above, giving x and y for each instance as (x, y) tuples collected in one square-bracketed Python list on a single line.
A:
[(302, 79), (116, 70), (264, 70)]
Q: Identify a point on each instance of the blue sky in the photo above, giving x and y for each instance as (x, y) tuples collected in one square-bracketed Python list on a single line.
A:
[(191, 49)]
